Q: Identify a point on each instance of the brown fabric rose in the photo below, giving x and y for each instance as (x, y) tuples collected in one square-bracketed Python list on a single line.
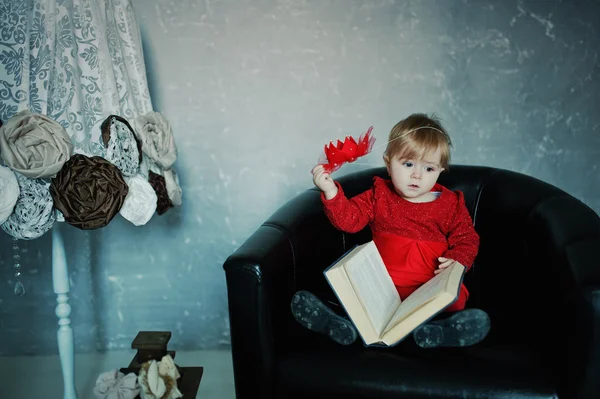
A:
[(159, 185), (89, 191), (34, 145)]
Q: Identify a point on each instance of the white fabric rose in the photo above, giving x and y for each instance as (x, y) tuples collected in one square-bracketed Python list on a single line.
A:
[(34, 145), (173, 187), (157, 138), (140, 202), (116, 385), (33, 214), (9, 192)]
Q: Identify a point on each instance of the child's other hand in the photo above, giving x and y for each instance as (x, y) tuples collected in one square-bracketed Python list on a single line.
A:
[(324, 181), (444, 263)]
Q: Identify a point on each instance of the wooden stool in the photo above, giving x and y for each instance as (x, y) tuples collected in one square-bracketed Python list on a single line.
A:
[(152, 345)]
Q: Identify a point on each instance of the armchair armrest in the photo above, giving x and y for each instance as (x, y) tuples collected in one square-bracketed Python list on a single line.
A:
[(292, 246), (582, 367), (583, 362), (251, 272), (573, 233)]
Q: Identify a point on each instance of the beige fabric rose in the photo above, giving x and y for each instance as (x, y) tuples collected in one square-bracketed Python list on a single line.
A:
[(156, 387), (34, 145), (157, 138), (173, 187), (158, 380)]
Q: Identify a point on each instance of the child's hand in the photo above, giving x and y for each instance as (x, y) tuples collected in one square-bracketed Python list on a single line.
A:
[(444, 263), (324, 181)]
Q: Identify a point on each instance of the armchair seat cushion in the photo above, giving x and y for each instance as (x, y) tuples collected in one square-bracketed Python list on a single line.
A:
[(330, 370)]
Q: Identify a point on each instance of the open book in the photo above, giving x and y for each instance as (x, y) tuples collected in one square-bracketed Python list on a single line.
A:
[(367, 293)]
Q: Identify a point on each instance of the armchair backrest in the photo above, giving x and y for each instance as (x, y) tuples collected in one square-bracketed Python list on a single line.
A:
[(521, 276)]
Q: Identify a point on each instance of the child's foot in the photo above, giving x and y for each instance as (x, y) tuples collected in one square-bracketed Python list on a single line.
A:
[(465, 328), (313, 314)]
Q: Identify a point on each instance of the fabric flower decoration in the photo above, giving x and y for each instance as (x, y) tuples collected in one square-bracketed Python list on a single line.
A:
[(33, 214), (167, 367), (152, 385), (157, 138), (158, 380), (159, 185), (116, 385), (89, 191), (59, 216), (148, 165), (140, 203), (122, 147), (9, 192), (173, 188), (34, 145)]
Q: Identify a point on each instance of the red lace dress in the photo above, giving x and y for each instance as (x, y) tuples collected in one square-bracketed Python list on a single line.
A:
[(410, 236)]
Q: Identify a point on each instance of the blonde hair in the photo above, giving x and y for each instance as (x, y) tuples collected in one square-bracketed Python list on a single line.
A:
[(416, 136)]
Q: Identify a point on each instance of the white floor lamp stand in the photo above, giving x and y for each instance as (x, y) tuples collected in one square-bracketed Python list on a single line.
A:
[(60, 280)]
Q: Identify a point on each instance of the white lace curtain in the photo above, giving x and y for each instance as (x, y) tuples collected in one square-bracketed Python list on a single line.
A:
[(77, 61)]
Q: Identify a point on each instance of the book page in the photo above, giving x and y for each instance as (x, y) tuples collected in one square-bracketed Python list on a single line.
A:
[(345, 258), (340, 283), (373, 286), (447, 282), (416, 318)]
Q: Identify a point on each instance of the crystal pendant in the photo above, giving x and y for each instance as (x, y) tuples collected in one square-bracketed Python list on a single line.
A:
[(19, 288)]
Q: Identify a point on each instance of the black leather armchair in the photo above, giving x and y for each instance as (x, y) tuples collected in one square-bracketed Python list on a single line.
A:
[(537, 275)]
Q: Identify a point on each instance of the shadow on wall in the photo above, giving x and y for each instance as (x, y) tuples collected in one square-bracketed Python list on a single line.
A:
[(156, 101), (86, 297), (28, 322), (149, 59)]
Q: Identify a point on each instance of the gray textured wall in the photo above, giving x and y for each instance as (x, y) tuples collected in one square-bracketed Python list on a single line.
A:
[(254, 89)]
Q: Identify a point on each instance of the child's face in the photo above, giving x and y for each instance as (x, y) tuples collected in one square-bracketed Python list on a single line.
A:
[(414, 178)]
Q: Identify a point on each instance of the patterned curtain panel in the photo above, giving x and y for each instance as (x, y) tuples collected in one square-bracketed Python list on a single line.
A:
[(77, 61), (80, 141)]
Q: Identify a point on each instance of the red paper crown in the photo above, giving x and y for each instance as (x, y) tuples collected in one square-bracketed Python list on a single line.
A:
[(348, 151)]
